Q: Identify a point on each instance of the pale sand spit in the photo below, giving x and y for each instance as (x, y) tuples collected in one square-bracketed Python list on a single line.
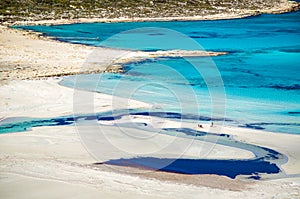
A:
[(26, 55)]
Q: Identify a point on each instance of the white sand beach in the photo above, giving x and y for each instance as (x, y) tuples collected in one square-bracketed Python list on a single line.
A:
[(53, 158), (52, 162)]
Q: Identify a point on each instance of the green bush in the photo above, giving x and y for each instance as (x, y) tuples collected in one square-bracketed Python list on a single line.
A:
[(13, 9)]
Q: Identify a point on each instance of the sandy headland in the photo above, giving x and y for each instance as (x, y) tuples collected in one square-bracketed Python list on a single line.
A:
[(26, 55)]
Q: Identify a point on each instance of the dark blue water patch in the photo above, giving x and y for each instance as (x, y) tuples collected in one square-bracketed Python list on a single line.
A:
[(173, 115), (241, 70), (287, 31), (109, 118), (194, 133), (156, 34), (290, 50), (197, 37), (283, 87), (85, 32), (187, 131), (259, 126), (142, 124), (294, 112), (160, 114), (131, 65), (272, 154), (27, 125), (275, 123), (151, 50), (24, 124), (57, 27), (80, 38), (229, 168), (86, 117), (170, 115), (255, 177), (251, 126), (201, 34)]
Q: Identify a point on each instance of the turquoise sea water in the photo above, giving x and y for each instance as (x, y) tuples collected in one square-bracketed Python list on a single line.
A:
[(261, 73)]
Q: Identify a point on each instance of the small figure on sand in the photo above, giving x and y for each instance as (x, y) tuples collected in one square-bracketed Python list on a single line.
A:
[(200, 126), (212, 124)]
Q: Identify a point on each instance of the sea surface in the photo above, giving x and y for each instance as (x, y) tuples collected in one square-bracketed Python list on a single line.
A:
[(256, 85)]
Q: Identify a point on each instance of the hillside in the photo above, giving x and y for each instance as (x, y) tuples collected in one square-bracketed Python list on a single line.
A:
[(33, 10)]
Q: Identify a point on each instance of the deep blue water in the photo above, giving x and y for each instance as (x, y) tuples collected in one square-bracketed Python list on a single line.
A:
[(265, 32), (229, 168), (260, 75)]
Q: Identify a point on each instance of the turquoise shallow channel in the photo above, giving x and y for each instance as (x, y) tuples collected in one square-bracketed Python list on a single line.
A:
[(265, 161)]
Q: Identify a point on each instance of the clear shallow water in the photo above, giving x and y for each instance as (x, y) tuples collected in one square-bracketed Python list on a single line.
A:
[(261, 74)]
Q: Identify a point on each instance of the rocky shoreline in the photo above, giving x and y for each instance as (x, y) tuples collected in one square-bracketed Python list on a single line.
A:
[(136, 11)]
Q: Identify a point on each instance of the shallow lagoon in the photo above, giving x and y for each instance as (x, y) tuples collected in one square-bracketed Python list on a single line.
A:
[(260, 75)]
